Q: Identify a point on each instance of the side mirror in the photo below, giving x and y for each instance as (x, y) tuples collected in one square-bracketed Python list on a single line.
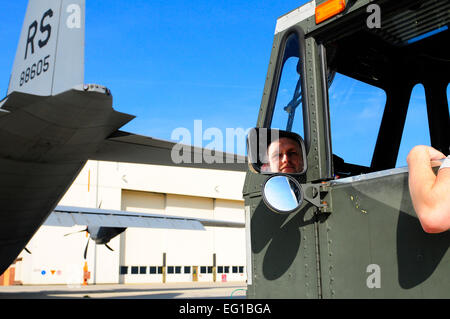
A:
[(282, 194), (273, 151)]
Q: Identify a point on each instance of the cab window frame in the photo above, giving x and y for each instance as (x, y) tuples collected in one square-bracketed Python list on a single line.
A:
[(276, 78)]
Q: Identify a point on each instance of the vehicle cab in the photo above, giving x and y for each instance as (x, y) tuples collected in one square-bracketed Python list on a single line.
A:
[(342, 79)]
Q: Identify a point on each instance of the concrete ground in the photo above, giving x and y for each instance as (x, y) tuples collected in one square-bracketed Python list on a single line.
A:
[(229, 290)]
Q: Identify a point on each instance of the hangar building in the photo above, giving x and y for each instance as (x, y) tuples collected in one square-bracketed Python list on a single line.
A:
[(143, 255)]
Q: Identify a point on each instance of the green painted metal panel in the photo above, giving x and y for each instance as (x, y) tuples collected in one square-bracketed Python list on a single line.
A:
[(283, 253)]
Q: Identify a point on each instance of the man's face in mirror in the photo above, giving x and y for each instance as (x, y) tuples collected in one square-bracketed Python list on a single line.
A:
[(285, 156)]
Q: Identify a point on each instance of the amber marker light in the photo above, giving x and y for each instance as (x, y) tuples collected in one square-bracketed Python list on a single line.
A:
[(329, 9)]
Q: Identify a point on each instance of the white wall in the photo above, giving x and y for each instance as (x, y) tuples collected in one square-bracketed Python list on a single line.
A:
[(55, 258)]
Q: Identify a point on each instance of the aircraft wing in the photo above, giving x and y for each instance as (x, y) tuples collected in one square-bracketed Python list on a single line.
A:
[(132, 148), (69, 216)]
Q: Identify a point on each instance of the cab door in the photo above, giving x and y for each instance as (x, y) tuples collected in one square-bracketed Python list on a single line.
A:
[(373, 246)]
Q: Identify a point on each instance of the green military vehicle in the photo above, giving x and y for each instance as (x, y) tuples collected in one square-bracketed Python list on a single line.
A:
[(354, 233)]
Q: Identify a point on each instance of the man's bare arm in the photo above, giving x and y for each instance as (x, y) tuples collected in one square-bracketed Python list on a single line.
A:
[(430, 194)]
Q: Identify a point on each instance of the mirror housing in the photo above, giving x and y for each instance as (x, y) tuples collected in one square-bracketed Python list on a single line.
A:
[(266, 147), (282, 194)]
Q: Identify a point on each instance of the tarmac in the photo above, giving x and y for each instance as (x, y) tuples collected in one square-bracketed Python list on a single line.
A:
[(197, 290)]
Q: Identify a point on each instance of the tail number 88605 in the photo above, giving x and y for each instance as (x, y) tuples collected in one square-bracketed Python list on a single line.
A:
[(35, 70)]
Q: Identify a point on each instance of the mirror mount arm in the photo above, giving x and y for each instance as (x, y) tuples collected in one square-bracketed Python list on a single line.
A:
[(314, 194)]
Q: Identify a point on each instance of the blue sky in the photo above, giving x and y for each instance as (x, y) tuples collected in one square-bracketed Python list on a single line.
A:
[(173, 62)]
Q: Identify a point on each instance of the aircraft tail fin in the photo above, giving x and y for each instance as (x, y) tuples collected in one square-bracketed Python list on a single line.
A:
[(50, 54)]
